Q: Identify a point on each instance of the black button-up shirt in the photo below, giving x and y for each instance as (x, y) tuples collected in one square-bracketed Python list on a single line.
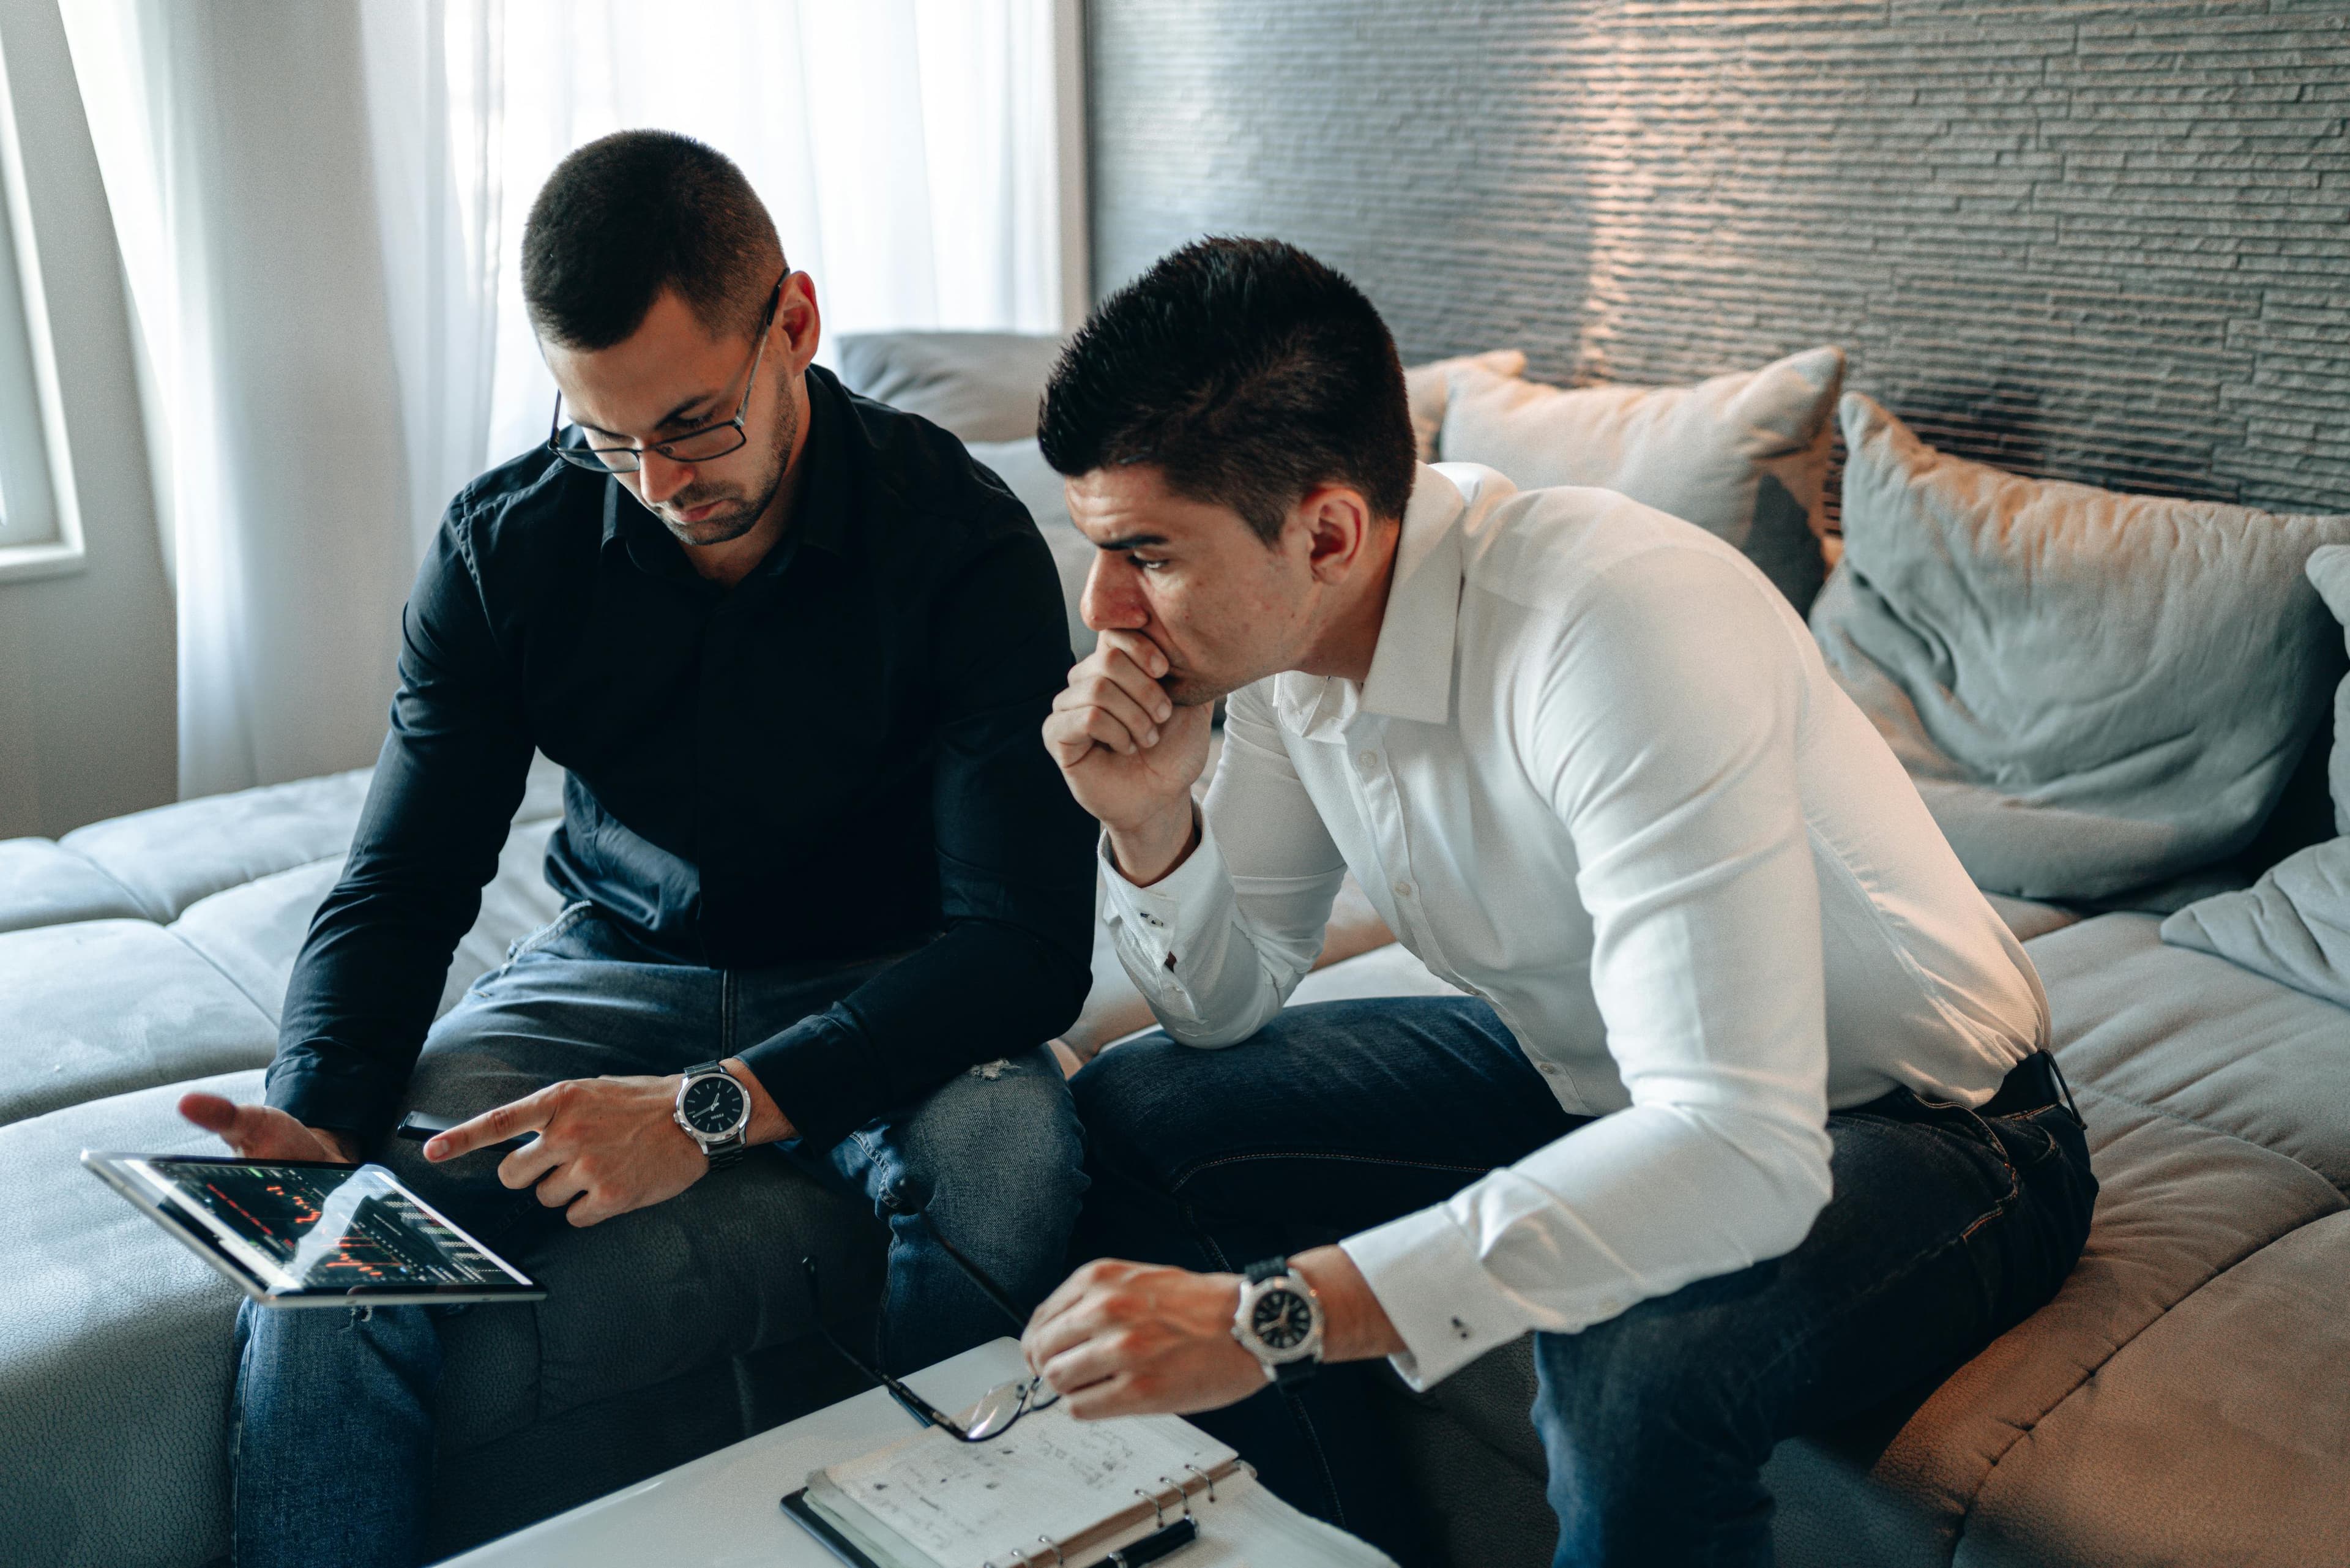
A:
[(839, 758)]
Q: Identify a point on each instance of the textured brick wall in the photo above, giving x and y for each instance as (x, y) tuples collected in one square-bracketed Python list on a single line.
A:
[(2103, 240)]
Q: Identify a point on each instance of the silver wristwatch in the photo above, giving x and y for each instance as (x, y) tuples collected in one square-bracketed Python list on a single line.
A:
[(715, 1112), (1279, 1322)]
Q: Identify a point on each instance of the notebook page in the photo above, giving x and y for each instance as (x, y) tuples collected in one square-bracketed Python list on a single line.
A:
[(973, 1505)]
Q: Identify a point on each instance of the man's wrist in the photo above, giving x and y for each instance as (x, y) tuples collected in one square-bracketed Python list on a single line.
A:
[(1355, 1328), (768, 1123), (1150, 851)]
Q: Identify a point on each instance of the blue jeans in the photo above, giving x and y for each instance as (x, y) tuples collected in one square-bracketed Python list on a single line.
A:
[(1946, 1227), (333, 1452)]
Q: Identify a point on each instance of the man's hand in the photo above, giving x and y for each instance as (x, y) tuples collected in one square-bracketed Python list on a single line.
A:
[(605, 1146), (1130, 1339), (266, 1133), (1135, 1339), (1129, 754)]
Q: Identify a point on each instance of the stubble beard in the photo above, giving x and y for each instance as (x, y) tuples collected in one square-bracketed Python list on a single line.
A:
[(725, 527)]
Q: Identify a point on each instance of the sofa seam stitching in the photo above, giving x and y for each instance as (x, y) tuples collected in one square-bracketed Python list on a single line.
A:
[(234, 984), (2025, 1429), (120, 885), (2200, 1126)]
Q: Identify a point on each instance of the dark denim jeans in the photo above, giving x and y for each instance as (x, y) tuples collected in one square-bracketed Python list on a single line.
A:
[(1946, 1227), (333, 1455)]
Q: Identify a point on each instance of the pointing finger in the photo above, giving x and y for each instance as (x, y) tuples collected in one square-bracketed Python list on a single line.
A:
[(528, 1114)]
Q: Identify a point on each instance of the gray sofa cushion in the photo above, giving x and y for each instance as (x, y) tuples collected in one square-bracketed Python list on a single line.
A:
[(169, 857), (103, 1007), (2062, 765), (2219, 1109), (43, 885), (1743, 456), (114, 1352), (174, 855), (982, 386), (115, 1355), (253, 933), (2201, 1041)]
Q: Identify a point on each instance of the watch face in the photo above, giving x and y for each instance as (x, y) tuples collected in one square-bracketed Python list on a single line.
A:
[(713, 1104), (1281, 1320)]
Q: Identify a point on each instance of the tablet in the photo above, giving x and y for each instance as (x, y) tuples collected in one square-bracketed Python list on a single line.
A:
[(303, 1233)]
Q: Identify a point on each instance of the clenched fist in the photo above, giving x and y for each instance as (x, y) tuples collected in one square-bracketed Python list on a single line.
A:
[(1130, 753)]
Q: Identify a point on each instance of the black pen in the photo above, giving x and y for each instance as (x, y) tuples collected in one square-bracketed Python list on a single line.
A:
[(1151, 1547)]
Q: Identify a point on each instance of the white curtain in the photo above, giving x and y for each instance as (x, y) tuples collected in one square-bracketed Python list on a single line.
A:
[(234, 157), (906, 149), (321, 206)]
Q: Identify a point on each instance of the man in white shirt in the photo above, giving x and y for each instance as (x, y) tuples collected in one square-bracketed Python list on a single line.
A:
[(1746, 1114)]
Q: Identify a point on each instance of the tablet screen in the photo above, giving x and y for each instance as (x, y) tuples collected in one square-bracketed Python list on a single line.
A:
[(335, 1229)]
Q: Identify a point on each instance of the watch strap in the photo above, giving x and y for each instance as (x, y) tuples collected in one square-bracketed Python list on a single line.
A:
[(1258, 1272)]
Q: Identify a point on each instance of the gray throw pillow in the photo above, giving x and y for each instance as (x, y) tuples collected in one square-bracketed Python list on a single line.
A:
[(1021, 465), (983, 386), (2329, 569), (2293, 924), (2093, 692), (1743, 456)]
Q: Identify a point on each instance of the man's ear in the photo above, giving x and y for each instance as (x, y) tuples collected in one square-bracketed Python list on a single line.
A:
[(799, 323), (1338, 525)]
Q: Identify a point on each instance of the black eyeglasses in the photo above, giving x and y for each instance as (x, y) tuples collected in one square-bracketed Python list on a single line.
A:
[(996, 1409), (695, 445)]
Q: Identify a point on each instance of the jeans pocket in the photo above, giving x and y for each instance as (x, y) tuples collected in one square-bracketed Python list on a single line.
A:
[(571, 916)]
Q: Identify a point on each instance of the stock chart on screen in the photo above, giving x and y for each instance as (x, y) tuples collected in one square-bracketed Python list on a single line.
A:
[(324, 1228)]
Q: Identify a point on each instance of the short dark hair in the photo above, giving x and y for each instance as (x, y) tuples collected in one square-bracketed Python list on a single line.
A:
[(1247, 372), (637, 211)]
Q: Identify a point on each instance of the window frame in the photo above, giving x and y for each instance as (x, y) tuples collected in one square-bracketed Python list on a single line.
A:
[(40, 522)]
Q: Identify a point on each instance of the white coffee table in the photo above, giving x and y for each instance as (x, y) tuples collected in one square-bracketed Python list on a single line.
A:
[(721, 1511)]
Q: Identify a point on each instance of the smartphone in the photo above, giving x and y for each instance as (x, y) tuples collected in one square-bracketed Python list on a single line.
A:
[(418, 1126)]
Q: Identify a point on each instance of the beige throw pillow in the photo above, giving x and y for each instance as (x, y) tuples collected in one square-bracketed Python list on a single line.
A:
[(1743, 456), (1424, 388)]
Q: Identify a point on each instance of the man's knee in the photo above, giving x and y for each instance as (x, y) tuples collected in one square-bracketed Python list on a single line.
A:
[(1144, 1111), (1000, 1139), (315, 1349)]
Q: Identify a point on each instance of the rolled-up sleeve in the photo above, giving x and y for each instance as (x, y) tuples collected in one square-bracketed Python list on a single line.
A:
[(1663, 731)]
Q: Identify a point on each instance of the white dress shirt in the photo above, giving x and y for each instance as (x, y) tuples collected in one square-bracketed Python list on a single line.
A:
[(1599, 777)]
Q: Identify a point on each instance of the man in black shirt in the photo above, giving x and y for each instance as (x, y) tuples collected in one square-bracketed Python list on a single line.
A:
[(823, 889)]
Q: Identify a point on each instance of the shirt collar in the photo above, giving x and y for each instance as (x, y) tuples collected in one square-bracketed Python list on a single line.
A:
[(1411, 666)]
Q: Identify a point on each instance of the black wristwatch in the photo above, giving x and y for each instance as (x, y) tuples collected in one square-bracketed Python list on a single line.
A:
[(715, 1112), (1279, 1322)]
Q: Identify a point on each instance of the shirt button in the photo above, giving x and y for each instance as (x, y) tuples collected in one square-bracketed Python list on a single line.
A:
[(1153, 920), (1368, 759), (1547, 1069), (1403, 890)]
